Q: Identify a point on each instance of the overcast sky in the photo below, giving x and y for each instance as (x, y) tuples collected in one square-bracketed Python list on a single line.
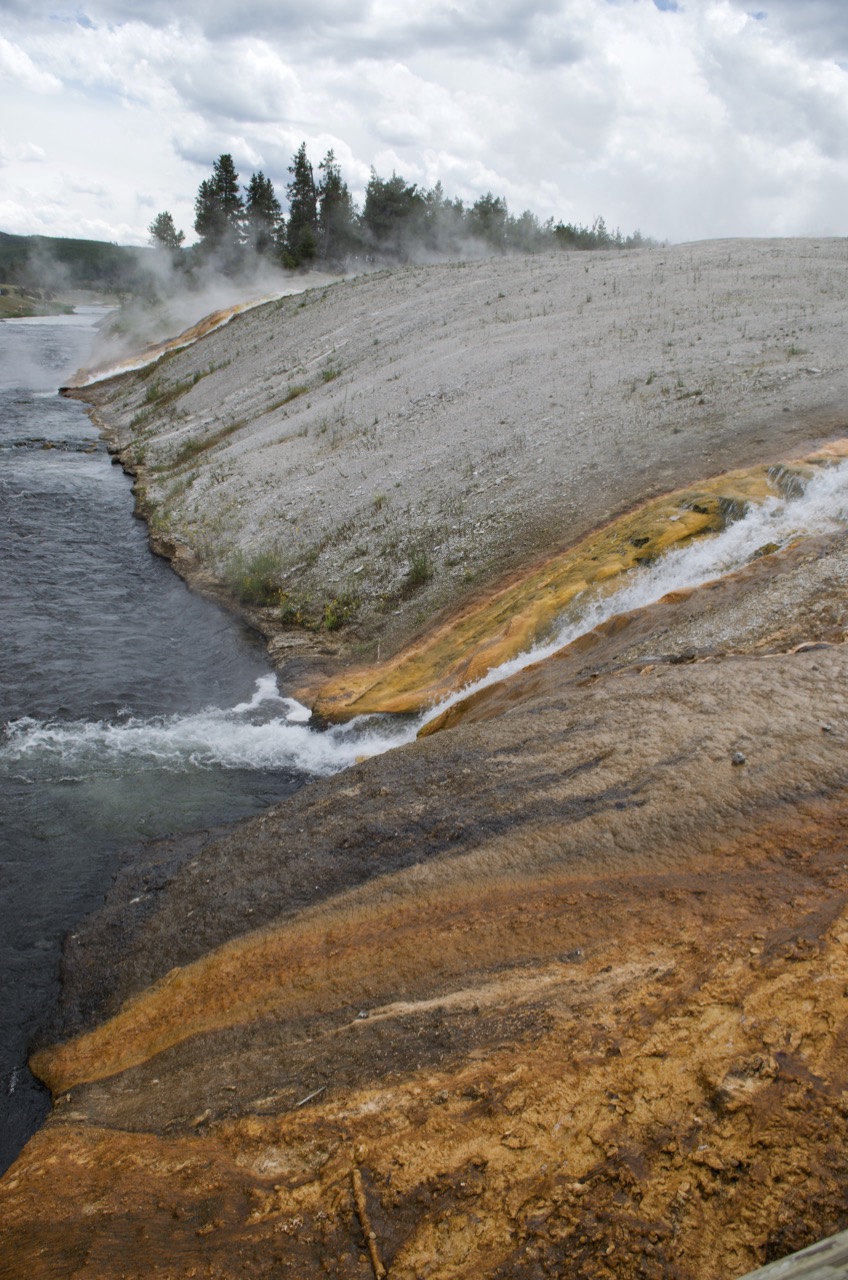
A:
[(686, 120)]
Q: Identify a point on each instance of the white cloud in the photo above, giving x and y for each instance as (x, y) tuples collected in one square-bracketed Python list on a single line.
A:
[(17, 66), (817, 27), (692, 119), (25, 152), (244, 80)]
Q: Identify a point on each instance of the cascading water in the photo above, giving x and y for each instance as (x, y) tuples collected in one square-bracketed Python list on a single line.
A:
[(816, 506), (268, 732), (273, 732)]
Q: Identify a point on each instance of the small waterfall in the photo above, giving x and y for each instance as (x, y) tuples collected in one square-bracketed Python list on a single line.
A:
[(269, 731)]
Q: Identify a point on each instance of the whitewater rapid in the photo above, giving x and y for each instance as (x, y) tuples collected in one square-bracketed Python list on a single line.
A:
[(270, 731)]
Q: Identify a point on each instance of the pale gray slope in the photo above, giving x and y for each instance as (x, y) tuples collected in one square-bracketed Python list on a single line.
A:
[(460, 420)]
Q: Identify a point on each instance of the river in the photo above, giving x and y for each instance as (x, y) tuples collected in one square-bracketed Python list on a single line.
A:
[(129, 707)]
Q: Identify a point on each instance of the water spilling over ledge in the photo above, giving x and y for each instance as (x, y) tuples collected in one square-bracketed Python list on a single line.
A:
[(674, 543), (118, 366), (268, 732)]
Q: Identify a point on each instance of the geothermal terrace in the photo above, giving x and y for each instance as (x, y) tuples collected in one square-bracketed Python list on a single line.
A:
[(558, 986)]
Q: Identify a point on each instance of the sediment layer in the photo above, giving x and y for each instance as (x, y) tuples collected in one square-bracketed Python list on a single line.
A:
[(566, 987), (557, 992)]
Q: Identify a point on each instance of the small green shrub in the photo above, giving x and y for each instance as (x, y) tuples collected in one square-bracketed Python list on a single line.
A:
[(255, 579), (160, 396), (290, 613), (295, 390), (338, 611), (192, 448), (141, 419), (420, 570)]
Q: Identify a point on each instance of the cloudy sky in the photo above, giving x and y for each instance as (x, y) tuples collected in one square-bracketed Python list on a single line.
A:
[(685, 119)]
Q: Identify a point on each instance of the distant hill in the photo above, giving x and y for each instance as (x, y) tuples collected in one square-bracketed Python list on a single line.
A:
[(54, 263)]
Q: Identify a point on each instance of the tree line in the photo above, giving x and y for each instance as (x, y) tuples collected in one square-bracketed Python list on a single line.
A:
[(57, 263), (324, 226)]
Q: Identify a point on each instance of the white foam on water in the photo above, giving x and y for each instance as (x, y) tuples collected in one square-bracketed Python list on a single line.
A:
[(267, 732), (272, 732)]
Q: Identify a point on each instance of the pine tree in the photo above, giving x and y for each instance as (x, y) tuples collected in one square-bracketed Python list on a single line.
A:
[(302, 225), (392, 214), (488, 220), (262, 213), (219, 210), (336, 213), (163, 233), (207, 213), (443, 222)]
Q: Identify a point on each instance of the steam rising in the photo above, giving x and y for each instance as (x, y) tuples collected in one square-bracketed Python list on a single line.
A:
[(180, 305)]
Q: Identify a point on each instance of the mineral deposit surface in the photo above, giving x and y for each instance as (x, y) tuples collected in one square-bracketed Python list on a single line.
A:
[(562, 988)]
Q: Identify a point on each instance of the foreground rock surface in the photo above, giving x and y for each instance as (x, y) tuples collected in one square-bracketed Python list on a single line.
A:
[(567, 988), (560, 991)]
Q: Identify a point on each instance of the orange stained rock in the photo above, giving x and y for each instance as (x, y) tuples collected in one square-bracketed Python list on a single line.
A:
[(677, 1109), (351, 952), (522, 613), (311, 967)]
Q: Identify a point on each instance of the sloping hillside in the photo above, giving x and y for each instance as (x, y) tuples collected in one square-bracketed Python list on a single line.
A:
[(364, 454)]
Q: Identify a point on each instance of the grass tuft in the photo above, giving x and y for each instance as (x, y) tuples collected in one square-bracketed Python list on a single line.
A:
[(339, 611), (420, 570), (255, 579)]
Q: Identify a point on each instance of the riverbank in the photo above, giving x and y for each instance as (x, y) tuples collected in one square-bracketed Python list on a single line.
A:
[(558, 991), (19, 303)]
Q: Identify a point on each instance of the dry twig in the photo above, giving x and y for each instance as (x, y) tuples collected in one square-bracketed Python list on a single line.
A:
[(367, 1229)]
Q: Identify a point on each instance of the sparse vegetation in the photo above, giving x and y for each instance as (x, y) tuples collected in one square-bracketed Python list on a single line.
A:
[(255, 579), (200, 444), (420, 570), (339, 611), (160, 396), (294, 391)]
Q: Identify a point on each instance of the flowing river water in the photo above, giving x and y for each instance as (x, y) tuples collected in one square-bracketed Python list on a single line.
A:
[(131, 708)]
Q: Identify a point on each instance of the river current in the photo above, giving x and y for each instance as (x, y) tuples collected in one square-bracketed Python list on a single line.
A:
[(126, 703)]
